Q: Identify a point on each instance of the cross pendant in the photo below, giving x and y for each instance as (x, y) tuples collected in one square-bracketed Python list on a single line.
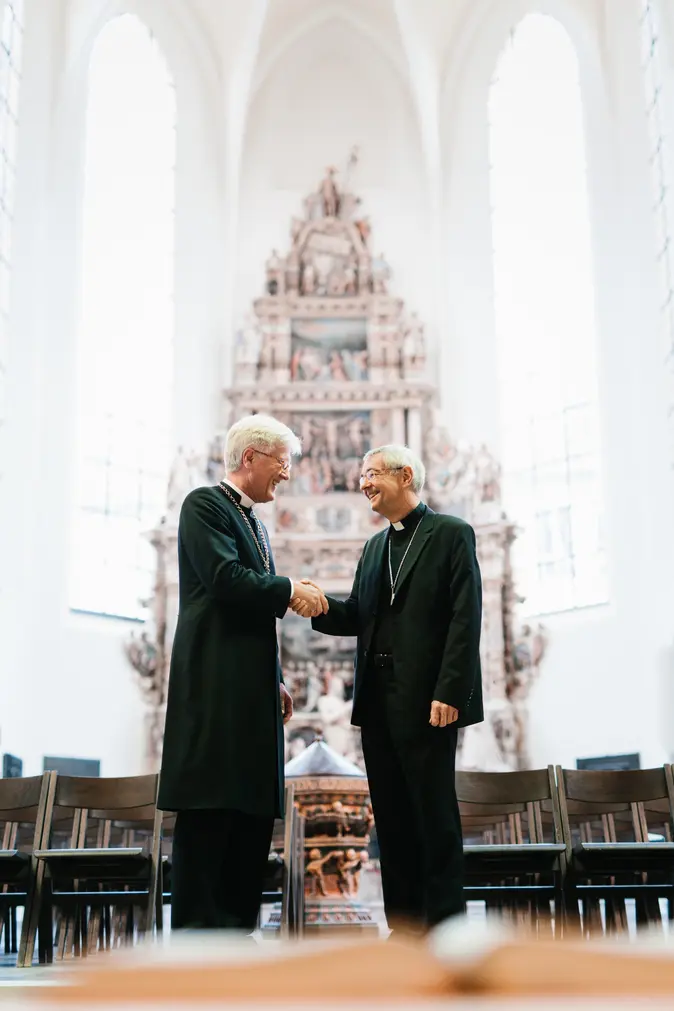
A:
[(393, 597)]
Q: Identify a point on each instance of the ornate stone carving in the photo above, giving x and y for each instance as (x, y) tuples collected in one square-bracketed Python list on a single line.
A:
[(332, 794), (328, 350)]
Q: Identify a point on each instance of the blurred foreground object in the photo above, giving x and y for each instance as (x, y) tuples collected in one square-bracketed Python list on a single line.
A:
[(457, 959)]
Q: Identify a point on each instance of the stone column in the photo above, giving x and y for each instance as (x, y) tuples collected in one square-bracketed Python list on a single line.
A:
[(398, 425), (414, 433)]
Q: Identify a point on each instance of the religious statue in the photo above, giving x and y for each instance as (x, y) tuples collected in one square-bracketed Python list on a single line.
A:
[(308, 279), (248, 343), (187, 473), (314, 687), (313, 872), (349, 864), (413, 339), (381, 273), (527, 653), (488, 473), (364, 228), (142, 654), (335, 713), (274, 267), (330, 193)]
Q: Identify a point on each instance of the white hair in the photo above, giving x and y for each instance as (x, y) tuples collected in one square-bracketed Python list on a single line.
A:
[(258, 431), (401, 456)]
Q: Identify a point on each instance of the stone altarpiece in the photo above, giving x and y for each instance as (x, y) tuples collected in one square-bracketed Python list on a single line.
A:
[(333, 352)]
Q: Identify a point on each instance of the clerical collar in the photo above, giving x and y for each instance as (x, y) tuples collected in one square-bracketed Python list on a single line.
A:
[(244, 499), (412, 518)]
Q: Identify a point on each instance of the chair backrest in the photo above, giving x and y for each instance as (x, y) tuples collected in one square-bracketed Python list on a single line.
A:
[(88, 811), (616, 805), (23, 803), (509, 807)]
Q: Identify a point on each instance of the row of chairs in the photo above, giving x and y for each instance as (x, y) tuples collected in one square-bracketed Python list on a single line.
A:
[(89, 861), (564, 849)]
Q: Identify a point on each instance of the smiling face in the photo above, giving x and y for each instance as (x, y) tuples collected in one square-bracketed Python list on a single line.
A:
[(264, 470), (387, 489)]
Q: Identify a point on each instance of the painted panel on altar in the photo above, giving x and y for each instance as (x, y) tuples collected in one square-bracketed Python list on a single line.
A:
[(311, 662), (333, 446), (328, 350)]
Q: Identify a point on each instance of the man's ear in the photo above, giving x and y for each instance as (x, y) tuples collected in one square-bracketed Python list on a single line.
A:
[(408, 476), (247, 457)]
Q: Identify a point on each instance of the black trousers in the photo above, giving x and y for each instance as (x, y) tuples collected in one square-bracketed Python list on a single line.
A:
[(218, 869), (411, 771)]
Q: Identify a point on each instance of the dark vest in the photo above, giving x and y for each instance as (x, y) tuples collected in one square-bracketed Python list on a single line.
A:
[(399, 541)]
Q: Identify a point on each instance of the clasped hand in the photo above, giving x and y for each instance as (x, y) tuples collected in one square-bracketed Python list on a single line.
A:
[(309, 600)]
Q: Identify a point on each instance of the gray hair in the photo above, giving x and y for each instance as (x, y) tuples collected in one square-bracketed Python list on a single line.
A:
[(401, 456), (258, 431)]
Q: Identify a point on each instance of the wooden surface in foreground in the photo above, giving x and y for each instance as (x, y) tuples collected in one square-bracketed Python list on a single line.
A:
[(376, 970)]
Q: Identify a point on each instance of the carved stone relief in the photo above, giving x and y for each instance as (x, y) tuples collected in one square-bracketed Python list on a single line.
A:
[(330, 351)]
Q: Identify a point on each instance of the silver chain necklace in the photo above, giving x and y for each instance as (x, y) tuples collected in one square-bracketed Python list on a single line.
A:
[(264, 554), (390, 567)]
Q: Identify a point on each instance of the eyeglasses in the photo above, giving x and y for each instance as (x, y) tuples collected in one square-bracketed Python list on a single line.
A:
[(370, 475), (285, 465)]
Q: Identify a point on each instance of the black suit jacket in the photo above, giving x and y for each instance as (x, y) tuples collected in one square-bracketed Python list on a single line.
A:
[(223, 742), (437, 619)]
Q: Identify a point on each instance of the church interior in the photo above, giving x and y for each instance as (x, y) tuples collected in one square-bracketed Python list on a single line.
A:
[(443, 224)]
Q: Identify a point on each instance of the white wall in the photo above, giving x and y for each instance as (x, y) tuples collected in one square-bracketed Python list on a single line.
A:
[(65, 686)]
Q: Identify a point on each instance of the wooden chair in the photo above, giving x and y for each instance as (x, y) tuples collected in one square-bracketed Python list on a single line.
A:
[(608, 818), (292, 898), (514, 849), (23, 803), (105, 868)]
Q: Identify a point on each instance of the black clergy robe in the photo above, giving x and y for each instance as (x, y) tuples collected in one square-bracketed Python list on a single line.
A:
[(222, 762), (421, 647)]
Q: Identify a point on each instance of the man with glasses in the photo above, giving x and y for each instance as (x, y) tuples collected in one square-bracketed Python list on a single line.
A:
[(416, 609), (222, 764)]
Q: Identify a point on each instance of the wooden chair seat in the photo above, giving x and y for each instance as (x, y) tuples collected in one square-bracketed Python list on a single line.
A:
[(623, 857), (109, 863), (14, 866), (513, 858)]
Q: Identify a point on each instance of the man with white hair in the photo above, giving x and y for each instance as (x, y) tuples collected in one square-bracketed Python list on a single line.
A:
[(222, 763), (416, 607)]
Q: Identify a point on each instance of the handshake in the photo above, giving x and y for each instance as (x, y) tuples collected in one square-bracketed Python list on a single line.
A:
[(309, 600)]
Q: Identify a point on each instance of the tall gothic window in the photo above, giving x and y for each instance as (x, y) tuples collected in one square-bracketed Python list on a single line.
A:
[(545, 319), (126, 324), (659, 82), (10, 69)]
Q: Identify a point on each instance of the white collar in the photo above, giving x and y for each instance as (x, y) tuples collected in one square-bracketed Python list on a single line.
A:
[(398, 525), (246, 501)]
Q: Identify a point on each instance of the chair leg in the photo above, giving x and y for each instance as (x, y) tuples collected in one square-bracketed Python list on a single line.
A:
[(37, 893), (94, 929)]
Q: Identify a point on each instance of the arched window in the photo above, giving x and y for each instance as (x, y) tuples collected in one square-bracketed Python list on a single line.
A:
[(126, 324), (10, 69), (545, 319), (660, 112)]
